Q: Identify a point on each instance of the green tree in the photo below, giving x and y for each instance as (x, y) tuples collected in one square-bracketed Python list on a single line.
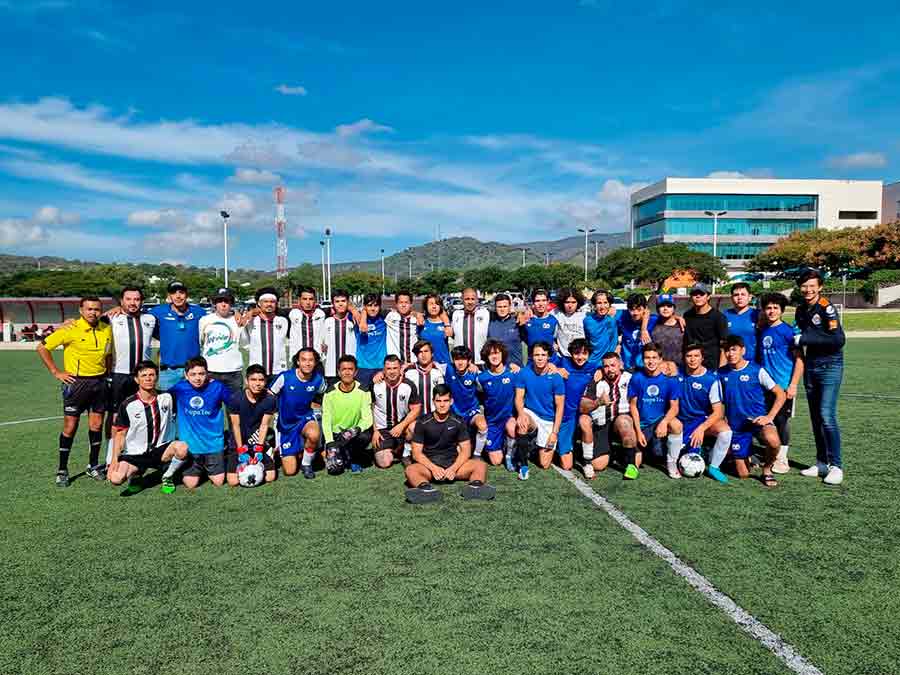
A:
[(528, 278), (619, 267), (486, 279), (440, 281), (357, 283), (657, 263), (305, 275), (564, 275)]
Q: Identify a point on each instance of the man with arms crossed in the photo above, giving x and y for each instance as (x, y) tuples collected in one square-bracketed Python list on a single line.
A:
[(251, 410), (347, 416), (470, 324), (610, 414), (220, 337), (441, 452), (338, 335), (540, 398), (395, 408)]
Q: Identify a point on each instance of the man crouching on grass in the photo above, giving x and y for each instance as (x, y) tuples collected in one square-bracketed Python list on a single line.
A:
[(441, 451)]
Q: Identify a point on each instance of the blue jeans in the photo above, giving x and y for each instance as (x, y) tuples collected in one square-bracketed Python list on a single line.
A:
[(822, 379), (169, 378)]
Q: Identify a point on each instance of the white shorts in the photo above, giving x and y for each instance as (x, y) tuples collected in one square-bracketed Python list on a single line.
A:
[(544, 428)]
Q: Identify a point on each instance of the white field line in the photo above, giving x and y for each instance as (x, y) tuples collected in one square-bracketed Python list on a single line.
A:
[(34, 419), (771, 640)]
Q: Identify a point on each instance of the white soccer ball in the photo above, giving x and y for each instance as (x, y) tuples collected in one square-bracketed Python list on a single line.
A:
[(692, 465), (251, 475)]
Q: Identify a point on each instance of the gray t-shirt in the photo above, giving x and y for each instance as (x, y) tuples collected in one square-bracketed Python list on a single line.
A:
[(671, 339)]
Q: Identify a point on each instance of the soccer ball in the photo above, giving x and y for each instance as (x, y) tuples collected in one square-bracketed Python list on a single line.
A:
[(251, 475), (692, 465)]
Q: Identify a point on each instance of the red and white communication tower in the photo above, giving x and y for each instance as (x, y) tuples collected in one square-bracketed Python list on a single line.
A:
[(280, 237)]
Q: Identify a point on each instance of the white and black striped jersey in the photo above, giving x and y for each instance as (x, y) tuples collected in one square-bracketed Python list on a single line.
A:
[(267, 340), (306, 330), (402, 333), (425, 382), (339, 338), (617, 392), (470, 330), (570, 328), (131, 340), (391, 404), (148, 425)]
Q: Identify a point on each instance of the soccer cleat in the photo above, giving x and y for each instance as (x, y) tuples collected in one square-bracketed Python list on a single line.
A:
[(477, 490), (509, 462), (817, 470), (62, 479), (356, 468), (716, 474), (308, 472), (835, 476), (672, 470), (96, 472), (424, 493), (523, 473), (168, 486), (134, 486), (588, 471), (631, 472), (781, 466)]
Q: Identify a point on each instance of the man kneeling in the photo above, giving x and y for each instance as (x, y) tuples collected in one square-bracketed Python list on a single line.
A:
[(441, 451)]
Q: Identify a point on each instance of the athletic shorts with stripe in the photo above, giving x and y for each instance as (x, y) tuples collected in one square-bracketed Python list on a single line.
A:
[(152, 459), (292, 440), (85, 394), (544, 428)]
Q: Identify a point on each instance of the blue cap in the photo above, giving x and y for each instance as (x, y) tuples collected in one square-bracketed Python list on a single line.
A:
[(665, 299)]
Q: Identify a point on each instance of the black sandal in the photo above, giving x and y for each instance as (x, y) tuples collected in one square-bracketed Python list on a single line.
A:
[(769, 481)]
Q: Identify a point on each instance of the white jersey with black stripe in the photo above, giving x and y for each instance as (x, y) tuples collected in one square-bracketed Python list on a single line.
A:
[(338, 339), (470, 330), (425, 382), (148, 425), (306, 330), (616, 392), (390, 405), (402, 333), (131, 340), (267, 342)]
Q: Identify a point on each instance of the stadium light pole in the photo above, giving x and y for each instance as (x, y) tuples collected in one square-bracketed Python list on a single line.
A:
[(409, 260), (523, 255), (382, 271), (587, 233), (328, 260), (596, 252), (324, 294), (715, 215), (225, 218)]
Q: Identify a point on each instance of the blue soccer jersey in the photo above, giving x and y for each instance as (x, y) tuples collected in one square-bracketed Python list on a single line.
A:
[(744, 325), (541, 391), (371, 345), (653, 395), (698, 394), (201, 416), (464, 389), (776, 352), (630, 330), (296, 397), (433, 331), (576, 383), (498, 392), (178, 334), (603, 334), (540, 329), (743, 393)]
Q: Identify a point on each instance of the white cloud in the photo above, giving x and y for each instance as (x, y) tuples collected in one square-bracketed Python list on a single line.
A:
[(255, 177), (726, 174), (363, 126), (858, 160), (155, 218), (289, 90), (52, 215), (238, 205), (18, 232)]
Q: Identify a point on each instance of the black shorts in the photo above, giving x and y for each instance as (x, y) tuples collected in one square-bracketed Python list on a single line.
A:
[(231, 460), (211, 464), (234, 381), (388, 442), (85, 394), (152, 459), (119, 387), (784, 415), (603, 437)]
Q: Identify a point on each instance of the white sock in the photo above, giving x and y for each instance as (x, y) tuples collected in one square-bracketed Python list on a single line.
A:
[(720, 449), (174, 465), (587, 451), (782, 453), (109, 448), (308, 456), (407, 449), (480, 440), (674, 444)]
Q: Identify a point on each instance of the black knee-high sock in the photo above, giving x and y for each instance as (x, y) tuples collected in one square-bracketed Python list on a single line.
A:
[(523, 448), (95, 438), (65, 447), (629, 455)]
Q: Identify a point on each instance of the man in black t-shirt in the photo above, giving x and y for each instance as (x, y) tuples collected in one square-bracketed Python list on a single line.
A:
[(250, 412), (707, 327), (441, 450)]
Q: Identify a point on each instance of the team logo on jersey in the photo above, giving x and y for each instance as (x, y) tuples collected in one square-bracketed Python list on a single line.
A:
[(309, 387), (468, 383), (653, 390), (829, 309), (196, 402), (816, 319), (744, 378), (545, 325), (138, 415), (768, 341), (696, 385), (505, 380)]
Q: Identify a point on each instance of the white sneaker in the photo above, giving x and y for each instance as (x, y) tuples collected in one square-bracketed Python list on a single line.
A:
[(835, 476), (815, 471), (781, 466), (588, 471), (672, 468)]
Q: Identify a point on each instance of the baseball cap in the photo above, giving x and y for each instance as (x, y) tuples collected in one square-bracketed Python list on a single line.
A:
[(224, 295), (177, 286), (700, 288), (665, 299)]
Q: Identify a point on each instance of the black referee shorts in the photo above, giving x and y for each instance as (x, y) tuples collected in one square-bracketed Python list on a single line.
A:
[(85, 394)]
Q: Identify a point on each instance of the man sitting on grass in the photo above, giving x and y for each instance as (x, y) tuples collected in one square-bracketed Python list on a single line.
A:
[(144, 432), (441, 451), (251, 411)]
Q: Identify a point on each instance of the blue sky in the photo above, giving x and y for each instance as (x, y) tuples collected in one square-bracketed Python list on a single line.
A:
[(125, 127)]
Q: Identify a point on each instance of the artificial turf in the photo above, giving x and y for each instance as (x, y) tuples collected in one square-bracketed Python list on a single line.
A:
[(338, 575)]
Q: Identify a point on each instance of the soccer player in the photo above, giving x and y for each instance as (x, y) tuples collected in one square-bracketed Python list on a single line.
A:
[(470, 324), (744, 385), (436, 328), (307, 322), (402, 327), (701, 412), (86, 354), (569, 317), (742, 319), (299, 393), (540, 397), (464, 387), (338, 335), (395, 407), (371, 339), (784, 362), (705, 326), (424, 374), (220, 337), (537, 324), (441, 452), (347, 416), (504, 328), (201, 422), (600, 327), (610, 413), (266, 333), (653, 400), (145, 432), (634, 326), (251, 410), (669, 331), (178, 332), (823, 339), (578, 373), (497, 384)]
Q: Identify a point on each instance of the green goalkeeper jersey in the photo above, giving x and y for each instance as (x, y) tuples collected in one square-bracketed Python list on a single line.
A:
[(345, 410)]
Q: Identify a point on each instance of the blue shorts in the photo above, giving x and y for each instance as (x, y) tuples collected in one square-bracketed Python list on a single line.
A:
[(741, 444), (657, 446), (467, 415), (364, 377), (292, 441), (690, 426), (566, 436), (496, 436)]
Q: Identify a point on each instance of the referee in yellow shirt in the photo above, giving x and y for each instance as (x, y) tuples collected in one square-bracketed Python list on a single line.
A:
[(86, 353)]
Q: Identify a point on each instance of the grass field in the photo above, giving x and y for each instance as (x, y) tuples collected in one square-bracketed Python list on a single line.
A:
[(871, 321), (338, 575)]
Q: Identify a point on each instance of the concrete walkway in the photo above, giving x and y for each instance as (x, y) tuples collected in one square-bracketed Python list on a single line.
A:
[(873, 334)]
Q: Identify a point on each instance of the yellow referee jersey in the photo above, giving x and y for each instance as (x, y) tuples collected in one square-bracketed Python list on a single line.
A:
[(84, 347)]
